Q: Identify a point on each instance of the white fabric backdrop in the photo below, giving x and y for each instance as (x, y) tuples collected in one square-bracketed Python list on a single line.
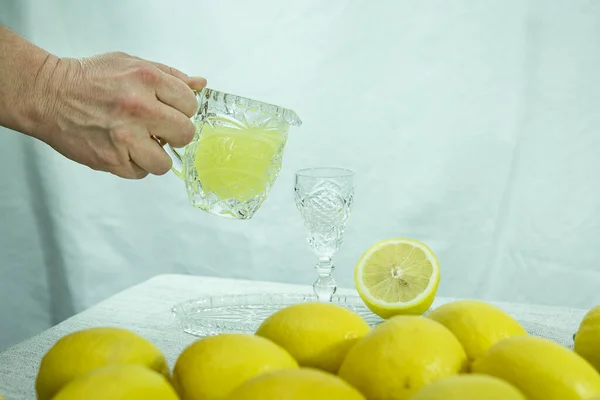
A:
[(472, 125)]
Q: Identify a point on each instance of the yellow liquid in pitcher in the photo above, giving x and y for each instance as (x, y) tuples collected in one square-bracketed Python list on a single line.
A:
[(236, 163)]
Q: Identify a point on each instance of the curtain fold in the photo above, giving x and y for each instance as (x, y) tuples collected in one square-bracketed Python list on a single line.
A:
[(472, 125)]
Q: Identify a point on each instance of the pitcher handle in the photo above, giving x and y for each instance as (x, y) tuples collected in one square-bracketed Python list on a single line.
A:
[(177, 167), (172, 152)]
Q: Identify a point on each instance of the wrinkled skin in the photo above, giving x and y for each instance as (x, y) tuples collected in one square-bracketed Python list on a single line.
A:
[(103, 111)]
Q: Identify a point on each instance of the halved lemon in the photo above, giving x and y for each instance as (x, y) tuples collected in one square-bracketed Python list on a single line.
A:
[(397, 276)]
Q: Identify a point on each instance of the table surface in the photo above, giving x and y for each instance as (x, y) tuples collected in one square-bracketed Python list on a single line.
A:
[(146, 309)]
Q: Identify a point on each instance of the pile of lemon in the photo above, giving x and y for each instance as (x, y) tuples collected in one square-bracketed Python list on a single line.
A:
[(463, 350)]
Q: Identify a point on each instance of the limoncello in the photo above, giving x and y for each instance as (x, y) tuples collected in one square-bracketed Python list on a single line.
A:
[(238, 162)]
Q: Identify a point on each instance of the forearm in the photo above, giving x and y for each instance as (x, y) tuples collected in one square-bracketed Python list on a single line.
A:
[(25, 70)]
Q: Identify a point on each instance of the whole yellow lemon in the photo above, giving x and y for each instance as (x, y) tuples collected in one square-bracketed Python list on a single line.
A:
[(476, 325), (118, 382), (81, 352), (540, 369), (212, 367), (402, 355), (296, 384), (468, 387), (317, 335), (587, 338)]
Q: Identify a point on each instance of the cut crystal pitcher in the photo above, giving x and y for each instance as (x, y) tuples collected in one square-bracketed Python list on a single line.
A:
[(235, 157)]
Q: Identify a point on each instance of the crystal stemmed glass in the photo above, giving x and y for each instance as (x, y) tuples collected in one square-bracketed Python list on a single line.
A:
[(324, 197)]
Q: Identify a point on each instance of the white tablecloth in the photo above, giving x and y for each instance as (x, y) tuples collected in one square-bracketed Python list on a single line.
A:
[(145, 309)]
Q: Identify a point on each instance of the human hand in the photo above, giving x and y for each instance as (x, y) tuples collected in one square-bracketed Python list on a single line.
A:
[(103, 112)]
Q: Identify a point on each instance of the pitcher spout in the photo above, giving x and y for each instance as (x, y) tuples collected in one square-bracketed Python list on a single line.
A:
[(292, 118)]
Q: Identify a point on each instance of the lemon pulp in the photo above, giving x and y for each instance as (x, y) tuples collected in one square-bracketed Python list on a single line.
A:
[(397, 276)]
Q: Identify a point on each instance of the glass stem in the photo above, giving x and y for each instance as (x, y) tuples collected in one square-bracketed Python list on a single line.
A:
[(325, 285)]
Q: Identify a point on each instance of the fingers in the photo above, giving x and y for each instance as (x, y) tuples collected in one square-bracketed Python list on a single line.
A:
[(195, 82), (170, 125), (136, 154), (158, 118), (167, 120), (175, 93), (131, 171), (161, 142), (126, 100), (150, 157), (127, 170), (174, 89)]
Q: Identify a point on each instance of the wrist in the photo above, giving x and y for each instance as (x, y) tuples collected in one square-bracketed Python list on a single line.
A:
[(23, 71), (39, 102)]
